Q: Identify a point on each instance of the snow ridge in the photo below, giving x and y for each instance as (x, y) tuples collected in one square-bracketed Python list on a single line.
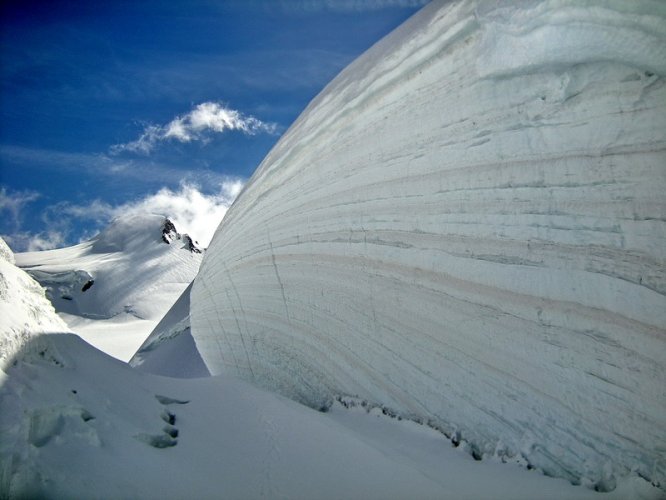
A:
[(468, 226)]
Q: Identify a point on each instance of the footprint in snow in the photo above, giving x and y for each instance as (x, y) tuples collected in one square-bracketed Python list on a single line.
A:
[(166, 400), (168, 437)]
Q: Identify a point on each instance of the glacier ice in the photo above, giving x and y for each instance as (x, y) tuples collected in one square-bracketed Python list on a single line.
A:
[(468, 225)]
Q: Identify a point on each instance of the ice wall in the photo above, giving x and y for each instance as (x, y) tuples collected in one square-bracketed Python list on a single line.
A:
[(469, 225)]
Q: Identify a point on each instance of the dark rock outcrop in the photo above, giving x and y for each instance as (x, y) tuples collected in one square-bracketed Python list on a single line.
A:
[(169, 232), (190, 244)]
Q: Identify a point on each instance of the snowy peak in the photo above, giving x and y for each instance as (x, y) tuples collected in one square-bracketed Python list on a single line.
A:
[(169, 232), (140, 233), (171, 235), (190, 244), (134, 271)]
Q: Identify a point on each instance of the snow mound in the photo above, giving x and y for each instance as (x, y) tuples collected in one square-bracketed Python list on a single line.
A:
[(115, 288), (94, 427), (25, 312), (468, 225)]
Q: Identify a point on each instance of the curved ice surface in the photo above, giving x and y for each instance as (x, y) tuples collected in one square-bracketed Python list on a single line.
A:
[(469, 225)]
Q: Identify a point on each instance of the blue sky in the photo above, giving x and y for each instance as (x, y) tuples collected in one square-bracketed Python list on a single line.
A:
[(157, 105)]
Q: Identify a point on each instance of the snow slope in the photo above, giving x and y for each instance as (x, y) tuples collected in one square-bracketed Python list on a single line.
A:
[(170, 350), (115, 288), (25, 312), (79, 424), (469, 225)]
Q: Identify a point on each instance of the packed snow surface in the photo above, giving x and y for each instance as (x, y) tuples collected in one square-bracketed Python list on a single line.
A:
[(468, 225), (115, 288), (76, 423)]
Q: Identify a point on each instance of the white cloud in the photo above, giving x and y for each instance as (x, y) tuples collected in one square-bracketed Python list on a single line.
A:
[(198, 124), (30, 242), (45, 241), (191, 210), (13, 203)]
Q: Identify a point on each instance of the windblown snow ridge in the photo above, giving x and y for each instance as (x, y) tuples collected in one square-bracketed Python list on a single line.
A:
[(468, 225)]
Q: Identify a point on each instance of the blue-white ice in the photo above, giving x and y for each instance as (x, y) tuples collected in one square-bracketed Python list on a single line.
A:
[(469, 225)]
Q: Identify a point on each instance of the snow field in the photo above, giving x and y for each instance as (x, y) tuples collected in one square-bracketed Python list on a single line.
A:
[(76, 423)]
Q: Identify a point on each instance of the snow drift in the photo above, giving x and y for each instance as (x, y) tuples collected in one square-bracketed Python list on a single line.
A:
[(469, 225), (76, 423)]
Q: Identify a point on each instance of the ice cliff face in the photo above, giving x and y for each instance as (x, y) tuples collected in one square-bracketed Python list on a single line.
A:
[(469, 225)]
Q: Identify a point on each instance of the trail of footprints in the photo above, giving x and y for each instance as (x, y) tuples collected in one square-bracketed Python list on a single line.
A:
[(169, 435)]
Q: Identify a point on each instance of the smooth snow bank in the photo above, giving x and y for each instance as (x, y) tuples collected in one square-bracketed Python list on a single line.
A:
[(170, 349), (469, 225), (79, 424), (24, 310), (114, 289)]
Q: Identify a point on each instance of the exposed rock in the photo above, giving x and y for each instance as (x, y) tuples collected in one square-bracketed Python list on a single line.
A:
[(190, 244), (169, 232)]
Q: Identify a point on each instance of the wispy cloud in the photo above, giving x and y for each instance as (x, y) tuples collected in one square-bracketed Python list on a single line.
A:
[(144, 171), (12, 208), (205, 119), (13, 202), (349, 5), (35, 242), (191, 210)]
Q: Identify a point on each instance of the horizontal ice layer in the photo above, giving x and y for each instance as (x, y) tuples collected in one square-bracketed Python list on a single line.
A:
[(469, 225)]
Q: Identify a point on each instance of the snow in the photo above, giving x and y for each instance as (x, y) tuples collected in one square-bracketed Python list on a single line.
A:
[(170, 349), (468, 225), (24, 310), (136, 277), (456, 253), (76, 423)]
